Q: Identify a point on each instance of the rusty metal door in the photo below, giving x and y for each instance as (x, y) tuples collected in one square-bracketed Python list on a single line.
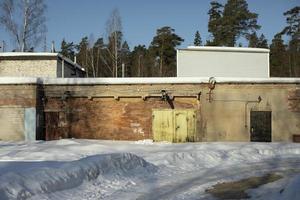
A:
[(191, 124), (52, 126), (162, 125), (181, 128), (261, 126)]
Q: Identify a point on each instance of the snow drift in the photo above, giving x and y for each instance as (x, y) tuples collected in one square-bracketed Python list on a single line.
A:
[(66, 175)]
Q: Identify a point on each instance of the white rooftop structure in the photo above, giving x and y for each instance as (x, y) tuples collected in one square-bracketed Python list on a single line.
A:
[(31, 55), (223, 62), (38, 64)]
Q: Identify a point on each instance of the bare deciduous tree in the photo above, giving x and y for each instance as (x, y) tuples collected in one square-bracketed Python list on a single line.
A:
[(25, 21), (114, 35)]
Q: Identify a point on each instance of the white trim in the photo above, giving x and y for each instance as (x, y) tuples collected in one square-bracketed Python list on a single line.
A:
[(18, 80), (121, 81), (29, 54), (177, 62), (228, 49), (269, 70), (166, 80)]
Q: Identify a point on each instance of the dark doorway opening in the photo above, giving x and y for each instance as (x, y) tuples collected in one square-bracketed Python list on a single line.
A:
[(261, 126)]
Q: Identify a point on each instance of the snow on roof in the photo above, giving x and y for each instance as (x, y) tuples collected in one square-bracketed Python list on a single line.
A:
[(28, 54), (18, 80), (165, 80), (226, 49), (40, 54)]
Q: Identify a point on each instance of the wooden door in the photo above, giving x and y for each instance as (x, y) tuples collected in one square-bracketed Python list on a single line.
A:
[(261, 126)]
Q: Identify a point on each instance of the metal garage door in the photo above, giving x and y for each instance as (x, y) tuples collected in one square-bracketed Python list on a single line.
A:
[(178, 125), (261, 126)]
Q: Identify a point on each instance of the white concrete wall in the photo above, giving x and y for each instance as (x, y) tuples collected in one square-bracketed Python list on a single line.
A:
[(28, 68), (223, 62)]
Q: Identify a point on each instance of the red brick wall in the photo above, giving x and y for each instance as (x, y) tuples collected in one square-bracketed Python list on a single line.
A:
[(107, 118)]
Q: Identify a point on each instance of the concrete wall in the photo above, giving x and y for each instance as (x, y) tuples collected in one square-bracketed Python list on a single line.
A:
[(15, 102), (227, 117), (207, 62), (28, 68), (125, 112)]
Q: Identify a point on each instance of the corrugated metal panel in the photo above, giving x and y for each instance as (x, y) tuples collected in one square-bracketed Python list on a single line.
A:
[(11, 123)]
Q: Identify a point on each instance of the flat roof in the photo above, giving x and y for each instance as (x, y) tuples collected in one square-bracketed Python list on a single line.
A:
[(124, 81), (40, 54), (226, 49)]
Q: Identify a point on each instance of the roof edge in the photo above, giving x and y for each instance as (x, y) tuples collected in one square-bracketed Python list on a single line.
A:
[(226, 49), (128, 81)]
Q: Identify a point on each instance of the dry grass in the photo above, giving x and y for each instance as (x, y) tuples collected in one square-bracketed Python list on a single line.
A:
[(237, 189)]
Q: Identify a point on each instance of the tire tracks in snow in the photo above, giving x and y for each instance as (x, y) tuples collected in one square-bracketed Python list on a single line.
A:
[(200, 181)]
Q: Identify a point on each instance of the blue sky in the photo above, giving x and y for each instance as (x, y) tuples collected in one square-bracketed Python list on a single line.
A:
[(74, 19)]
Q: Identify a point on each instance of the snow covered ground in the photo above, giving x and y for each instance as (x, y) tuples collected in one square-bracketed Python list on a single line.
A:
[(93, 169)]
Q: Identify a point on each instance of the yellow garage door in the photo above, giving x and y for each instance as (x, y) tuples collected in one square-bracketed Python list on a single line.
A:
[(163, 125), (176, 125)]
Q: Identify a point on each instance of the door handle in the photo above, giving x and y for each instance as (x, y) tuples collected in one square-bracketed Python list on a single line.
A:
[(177, 127)]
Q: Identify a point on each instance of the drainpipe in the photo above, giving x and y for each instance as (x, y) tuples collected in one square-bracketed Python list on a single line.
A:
[(63, 68)]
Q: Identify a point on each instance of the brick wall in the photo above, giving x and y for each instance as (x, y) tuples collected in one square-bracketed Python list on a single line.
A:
[(124, 112), (120, 113)]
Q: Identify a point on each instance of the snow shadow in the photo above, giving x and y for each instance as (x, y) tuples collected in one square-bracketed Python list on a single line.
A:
[(22, 180)]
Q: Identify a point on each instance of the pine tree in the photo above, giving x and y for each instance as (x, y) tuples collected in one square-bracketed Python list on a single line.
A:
[(293, 21), (163, 47), (262, 42), (197, 40), (67, 49), (82, 55), (293, 31), (215, 23), (278, 61), (138, 61), (237, 21), (253, 40)]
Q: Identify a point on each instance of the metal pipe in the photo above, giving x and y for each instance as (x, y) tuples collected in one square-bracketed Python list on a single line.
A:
[(63, 68)]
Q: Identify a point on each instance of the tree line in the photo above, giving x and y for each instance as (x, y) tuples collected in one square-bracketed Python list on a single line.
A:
[(110, 56)]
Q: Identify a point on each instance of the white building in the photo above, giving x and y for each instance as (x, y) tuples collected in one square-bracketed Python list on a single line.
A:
[(28, 64), (223, 62)]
